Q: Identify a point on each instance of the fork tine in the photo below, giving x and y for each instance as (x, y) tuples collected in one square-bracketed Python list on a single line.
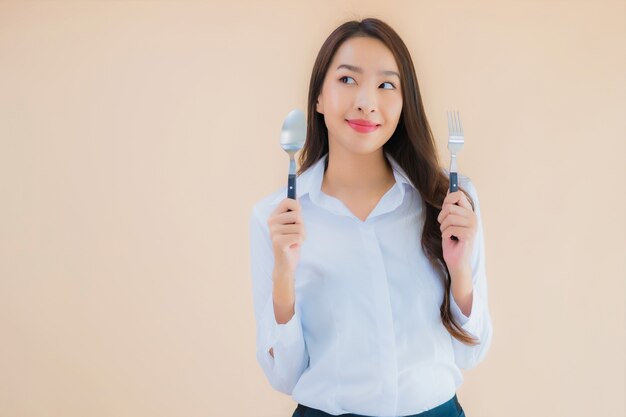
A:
[(453, 118), (449, 123), (460, 125)]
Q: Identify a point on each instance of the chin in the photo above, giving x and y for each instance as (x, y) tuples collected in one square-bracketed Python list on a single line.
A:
[(365, 149)]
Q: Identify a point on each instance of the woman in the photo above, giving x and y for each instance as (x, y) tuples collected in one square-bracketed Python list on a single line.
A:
[(364, 304)]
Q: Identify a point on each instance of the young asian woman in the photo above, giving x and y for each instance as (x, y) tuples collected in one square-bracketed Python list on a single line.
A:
[(364, 304)]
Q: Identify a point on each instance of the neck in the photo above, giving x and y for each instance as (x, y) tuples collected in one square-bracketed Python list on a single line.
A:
[(348, 172)]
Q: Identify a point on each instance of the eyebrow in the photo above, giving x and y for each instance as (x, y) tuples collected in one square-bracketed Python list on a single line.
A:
[(360, 70)]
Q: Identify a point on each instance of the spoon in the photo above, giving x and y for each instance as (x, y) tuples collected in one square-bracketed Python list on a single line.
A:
[(292, 137)]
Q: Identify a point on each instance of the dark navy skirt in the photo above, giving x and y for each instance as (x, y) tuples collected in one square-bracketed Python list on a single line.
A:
[(450, 408)]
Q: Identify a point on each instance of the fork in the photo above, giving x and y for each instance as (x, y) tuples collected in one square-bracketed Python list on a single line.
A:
[(455, 144)]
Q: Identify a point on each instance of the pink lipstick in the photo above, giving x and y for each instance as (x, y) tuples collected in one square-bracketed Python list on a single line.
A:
[(362, 125)]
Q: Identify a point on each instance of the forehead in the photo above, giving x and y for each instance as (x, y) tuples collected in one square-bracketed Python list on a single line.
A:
[(369, 53)]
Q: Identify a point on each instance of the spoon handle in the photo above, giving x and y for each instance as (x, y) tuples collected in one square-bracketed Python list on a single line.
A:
[(291, 186)]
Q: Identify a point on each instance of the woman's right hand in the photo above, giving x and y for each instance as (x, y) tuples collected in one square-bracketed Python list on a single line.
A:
[(287, 234)]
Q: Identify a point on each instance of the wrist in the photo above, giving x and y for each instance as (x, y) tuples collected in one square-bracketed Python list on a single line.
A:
[(282, 271), (462, 271)]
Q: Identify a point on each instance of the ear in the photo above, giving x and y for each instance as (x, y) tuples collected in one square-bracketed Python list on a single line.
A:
[(319, 107)]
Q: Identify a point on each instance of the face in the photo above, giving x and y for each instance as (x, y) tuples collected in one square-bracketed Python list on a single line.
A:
[(362, 82)]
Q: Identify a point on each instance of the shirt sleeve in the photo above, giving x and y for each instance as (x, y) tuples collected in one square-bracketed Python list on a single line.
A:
[(479, 321), (287, 340)]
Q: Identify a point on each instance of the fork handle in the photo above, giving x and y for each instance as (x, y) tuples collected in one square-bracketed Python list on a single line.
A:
[(454, 184)]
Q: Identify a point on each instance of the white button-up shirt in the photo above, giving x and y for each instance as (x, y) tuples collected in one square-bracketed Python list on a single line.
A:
[(366, 336)]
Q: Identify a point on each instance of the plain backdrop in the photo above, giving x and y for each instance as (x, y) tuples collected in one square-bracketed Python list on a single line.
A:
[(135, 136)]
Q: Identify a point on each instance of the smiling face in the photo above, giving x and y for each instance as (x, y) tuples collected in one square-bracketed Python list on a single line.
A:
[(362, 82)]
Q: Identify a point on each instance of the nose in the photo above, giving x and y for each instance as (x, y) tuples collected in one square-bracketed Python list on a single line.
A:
[(366, 101)]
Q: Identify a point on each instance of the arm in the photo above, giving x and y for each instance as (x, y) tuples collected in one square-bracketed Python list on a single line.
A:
[(280, 347), (469, 299)]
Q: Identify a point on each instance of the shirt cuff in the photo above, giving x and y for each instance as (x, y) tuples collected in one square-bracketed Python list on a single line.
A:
[(471, 323), (281, 338)]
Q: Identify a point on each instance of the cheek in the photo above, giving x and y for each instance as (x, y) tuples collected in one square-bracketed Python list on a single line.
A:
[(335, 99), (396, 108), (392, 113), (392, 105)]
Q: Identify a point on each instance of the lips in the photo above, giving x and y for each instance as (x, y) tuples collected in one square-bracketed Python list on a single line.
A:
[(362, 126), (362, 122)]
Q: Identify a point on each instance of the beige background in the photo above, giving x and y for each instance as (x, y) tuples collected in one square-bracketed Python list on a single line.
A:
[(137, 135)]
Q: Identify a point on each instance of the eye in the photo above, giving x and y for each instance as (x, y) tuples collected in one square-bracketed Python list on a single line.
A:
[(345, 77), (391, 84)]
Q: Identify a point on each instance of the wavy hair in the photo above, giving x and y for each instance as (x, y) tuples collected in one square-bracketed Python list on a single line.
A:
[(412, 145)]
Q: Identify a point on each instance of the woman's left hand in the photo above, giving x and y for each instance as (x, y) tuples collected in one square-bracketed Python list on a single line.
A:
[(457, 219)]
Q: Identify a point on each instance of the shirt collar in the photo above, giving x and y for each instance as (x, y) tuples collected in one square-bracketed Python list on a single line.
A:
[(310, 181)]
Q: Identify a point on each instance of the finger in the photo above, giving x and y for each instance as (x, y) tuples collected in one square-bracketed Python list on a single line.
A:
[(292, 204), (455, 220), (460, 232), (452, 198), (464, 202), (288, 229), (289, 217), (451, 209), (458, 198), (288, 204)]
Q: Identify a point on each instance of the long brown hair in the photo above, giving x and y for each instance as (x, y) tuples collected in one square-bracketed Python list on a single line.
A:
[(411, 145)]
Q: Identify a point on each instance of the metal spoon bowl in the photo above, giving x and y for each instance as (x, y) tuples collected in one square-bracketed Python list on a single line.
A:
[(292, 138)]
